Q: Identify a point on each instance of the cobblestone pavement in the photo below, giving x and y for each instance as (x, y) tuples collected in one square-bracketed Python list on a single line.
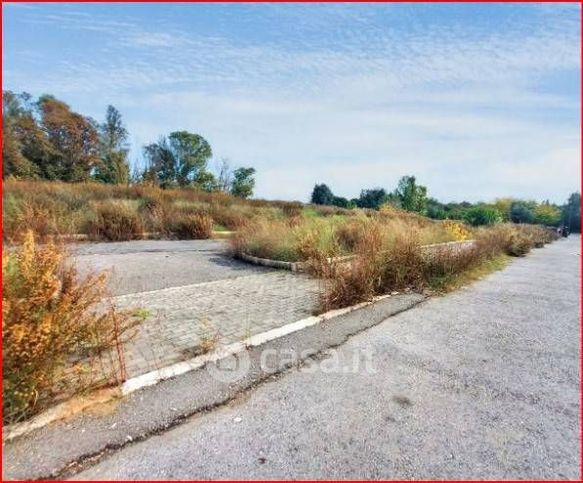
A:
[(144, 265), (195, 295)]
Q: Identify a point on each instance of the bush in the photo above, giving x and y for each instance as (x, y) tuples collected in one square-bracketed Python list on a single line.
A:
[(350, 234), (293, 209), (116, 221), (457, 230), (267, 239), (482, 215), (53, 330), (354, 281), (198, 226)]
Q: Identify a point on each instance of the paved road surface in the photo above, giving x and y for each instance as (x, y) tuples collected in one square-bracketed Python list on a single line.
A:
[(483, 383), (145, 265), (194, 292)]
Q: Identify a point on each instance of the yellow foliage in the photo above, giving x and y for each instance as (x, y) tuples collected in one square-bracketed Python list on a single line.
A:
[(457, 230), (53, 322)]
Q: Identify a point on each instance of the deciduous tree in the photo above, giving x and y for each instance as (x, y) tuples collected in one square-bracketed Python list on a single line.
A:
[(243, 182), (114, 166)]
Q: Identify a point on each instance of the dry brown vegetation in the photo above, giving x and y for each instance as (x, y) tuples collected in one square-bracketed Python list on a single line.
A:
[(298, 238), (58, 337), (403, 264), (118, 212)]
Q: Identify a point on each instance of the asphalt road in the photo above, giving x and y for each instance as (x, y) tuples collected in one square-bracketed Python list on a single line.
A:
[(482, 383)]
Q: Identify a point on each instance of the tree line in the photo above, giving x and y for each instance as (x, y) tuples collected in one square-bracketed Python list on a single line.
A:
[(45, 139), (411, 196)]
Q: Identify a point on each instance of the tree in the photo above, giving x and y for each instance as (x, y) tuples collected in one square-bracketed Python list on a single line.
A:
[(503, 205), (206, 181), (73, 138), (24, 144), (547, 214), (225, 175), (179, 159), (160, 160), (413, 197), (243, 182), (322, 195), (13, 161), (482, 215), (522, 212), (436, 210), (372, 198), (340, 202), (114, 166), (571, 213)]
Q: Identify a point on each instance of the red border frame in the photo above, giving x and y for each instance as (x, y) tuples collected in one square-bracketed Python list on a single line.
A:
[(580, 2)]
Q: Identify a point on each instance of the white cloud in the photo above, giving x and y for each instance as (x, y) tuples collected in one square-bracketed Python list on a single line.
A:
[(357, 106)]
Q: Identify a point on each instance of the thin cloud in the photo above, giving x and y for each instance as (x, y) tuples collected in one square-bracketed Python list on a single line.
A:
[(356, 94)]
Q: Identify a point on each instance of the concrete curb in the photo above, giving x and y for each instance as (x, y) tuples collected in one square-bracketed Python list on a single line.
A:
[(268, 262), (301, 266), (78, 404), (179, 368), (155, 235), (61, 449), (58, 412)]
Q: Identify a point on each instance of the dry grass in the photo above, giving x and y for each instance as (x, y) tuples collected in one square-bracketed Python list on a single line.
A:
[(58, 338), (302, 238), (197, 226), (116, 221), (55, 208), (383, 265)]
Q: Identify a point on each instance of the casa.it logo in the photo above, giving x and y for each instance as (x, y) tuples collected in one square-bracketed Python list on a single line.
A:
[(231, 368)]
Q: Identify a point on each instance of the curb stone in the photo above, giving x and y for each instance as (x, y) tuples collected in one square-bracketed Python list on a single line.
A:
[(87, 437)]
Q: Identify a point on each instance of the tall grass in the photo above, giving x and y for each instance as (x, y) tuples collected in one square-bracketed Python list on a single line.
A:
[(299, 238), (403, 263), (57, 337), (55, 208)]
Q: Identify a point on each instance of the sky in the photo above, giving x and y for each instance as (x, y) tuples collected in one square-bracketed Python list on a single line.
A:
[(477, 101)]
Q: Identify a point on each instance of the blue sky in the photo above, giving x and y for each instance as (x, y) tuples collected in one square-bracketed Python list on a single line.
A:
[(476, 100)]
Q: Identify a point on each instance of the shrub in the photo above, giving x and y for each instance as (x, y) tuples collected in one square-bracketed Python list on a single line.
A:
[(54, 330), (292, 209), (116, 221), (482, 215), (350, 234), (404, 264), (354, 281), (457, 230), (198, 226), (442, 263), (266, 239)]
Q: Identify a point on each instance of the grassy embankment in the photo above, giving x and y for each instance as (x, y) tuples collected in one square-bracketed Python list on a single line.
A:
[(110, 212)]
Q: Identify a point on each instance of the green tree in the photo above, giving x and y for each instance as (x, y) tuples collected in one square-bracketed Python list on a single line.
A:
[(340, 201), (206, 181), (243, 182), (571, 213), (436, 210), (322, 195), (372, 198), (547, 214), (503, 205), (522, 212), (482, 215), (179, 159), (413, 197), (114, 166), (24, 144)]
